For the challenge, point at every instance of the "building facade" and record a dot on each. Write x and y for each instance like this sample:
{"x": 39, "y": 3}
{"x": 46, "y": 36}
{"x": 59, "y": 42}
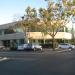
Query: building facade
{"x": 9, "y": 37}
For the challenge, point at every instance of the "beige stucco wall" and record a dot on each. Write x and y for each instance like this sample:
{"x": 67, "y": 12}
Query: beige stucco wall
{"x": 35, "y": 35}
{"x": 59, "y": 35}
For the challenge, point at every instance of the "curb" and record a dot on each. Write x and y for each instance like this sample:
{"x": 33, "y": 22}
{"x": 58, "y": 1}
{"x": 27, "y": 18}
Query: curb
{"x": 64, "y": 51}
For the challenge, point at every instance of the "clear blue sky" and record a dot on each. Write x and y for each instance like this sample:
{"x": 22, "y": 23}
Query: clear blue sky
{"x": 13, "y": 8}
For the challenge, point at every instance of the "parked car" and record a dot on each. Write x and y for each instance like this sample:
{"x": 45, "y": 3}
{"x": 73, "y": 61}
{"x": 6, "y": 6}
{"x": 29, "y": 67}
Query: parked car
{"x": 36, "y": 47}
{"x": 2, "y": 47}
{"x": 66, "y": 46}
{"x": 21, "y": 47}
{"x": 29, "y": 47}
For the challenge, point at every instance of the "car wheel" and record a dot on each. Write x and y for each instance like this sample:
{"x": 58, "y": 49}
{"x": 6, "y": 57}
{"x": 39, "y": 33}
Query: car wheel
{"x": 41, "y": 49}
{"x": 70, "y": 48}
{"x": 34, "y": 49}
{"x": 59, "y": 47}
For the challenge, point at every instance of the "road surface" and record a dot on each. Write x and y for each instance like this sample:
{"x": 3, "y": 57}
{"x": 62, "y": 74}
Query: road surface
{"x": 30, "y": 63}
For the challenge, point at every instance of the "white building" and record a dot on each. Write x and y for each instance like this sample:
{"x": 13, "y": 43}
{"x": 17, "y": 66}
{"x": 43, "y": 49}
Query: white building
{"x": 8, "y": 36}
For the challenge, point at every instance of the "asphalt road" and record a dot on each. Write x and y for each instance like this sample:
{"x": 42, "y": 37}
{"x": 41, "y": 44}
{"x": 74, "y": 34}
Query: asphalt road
{"x": 30, "y": 63}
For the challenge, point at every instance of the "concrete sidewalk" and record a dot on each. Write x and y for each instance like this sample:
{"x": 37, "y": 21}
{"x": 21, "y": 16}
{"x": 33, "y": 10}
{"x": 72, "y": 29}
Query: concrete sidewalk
{"x": 44, "y": 51}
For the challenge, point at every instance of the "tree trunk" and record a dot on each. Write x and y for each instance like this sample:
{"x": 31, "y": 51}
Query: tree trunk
{"x": 44, "y": 40}
{"x": 26, "y": 38}
{"x": 53, "y": 43}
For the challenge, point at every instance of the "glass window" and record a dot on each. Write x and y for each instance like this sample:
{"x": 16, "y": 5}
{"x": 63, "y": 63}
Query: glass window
{"x": 0, "y": 32}
{"x": 8, "y": 31}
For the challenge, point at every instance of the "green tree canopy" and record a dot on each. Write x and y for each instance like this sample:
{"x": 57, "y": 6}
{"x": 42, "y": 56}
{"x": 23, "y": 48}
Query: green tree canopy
{"x": 49, "y": 20}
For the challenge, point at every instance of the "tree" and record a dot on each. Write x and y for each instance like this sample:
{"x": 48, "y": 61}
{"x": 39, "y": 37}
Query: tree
{"x": 53, "y": 19}
{"x": 56, "y": 16}
{"x": 28, "y": 21}
{"x": 70, "y": 10}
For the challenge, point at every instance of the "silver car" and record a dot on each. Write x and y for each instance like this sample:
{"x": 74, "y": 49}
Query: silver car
{"x": 22, "y": 47}
{"x": 29, "y": 47}
{"x": 36, "y": 47}
{"x": 66, "y": 46}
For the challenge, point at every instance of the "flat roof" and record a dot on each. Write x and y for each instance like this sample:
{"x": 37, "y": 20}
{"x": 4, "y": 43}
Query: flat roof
{"x": 6, "y": 26}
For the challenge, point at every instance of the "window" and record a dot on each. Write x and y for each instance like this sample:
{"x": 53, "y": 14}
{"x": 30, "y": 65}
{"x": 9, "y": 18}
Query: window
{"x": 0, "y": 32}
{"x": 8, "y": 31}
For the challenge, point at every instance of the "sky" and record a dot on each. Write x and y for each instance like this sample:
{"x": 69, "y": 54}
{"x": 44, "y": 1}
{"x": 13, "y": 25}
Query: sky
{"x": 11, "y": 9}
